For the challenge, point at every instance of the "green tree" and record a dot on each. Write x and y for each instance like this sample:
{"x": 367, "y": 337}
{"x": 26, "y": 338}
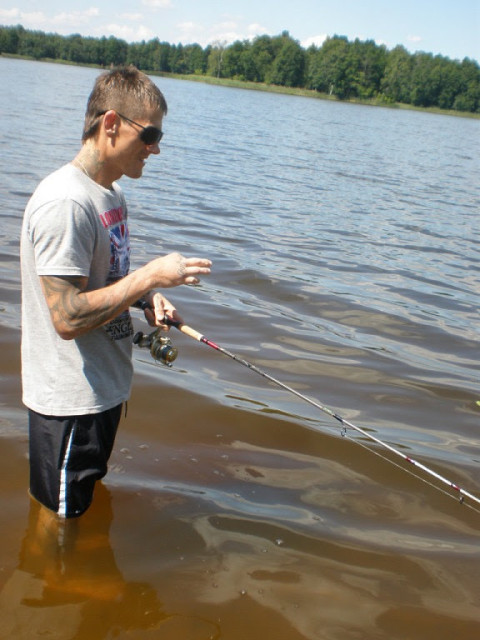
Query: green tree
{"x": 115, "y": 51}
{"x": 426, "y": 81}
{"x": 32, "y": 44}
{"x": 136, "y": 55}
{"x": 215, "y": 59}
{"x": 10, "y": 39}
{"x": 234, "y": 60}
{"x": 449, "y": 80}
{"x": 396, "y": 81}
{"x": 367, "y": 61}
{"x": 195, "y": 59}
{"x": 468, "y": 97}
{"x": 339, "y": 67}
{"x": 176, "y": 59}
{"x": 74, "y": 48}
{"x": 92, "y": 50}
{"x": 330, "y": 70}
{"x": 262, "y": 54}
{"x": 288, "y": 67}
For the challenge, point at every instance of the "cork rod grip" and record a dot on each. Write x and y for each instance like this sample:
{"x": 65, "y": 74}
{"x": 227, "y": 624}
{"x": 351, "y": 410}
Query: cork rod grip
{"x": 184, "y": 328}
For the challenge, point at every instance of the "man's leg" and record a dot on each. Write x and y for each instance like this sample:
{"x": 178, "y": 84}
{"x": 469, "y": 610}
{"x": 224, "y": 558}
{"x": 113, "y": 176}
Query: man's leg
{"x": 67, "y": 456}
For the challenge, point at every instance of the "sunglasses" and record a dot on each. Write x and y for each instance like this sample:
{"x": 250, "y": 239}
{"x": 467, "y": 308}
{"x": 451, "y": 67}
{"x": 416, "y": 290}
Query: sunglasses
{"x": 149, "y": 135}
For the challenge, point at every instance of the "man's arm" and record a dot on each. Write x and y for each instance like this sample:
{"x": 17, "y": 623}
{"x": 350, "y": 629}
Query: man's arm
{"x": 75, "y": 311}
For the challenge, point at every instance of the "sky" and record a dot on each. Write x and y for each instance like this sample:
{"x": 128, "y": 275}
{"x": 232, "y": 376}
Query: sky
{"x": 447, "y": 27}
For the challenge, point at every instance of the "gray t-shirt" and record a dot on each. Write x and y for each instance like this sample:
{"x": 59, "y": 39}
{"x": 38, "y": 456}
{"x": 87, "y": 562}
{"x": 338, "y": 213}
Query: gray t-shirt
{"x": 74, "y": 227}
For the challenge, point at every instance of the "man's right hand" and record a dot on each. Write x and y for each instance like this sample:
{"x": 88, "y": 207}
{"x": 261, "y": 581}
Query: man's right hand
{"x": 174, "y": 269}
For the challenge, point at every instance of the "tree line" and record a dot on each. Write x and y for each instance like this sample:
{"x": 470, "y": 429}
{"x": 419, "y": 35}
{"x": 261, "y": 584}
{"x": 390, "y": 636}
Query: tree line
{"x": 341, "y": 68}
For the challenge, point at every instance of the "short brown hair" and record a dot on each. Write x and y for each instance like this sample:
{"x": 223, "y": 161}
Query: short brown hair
{"x": 126, "y": 90}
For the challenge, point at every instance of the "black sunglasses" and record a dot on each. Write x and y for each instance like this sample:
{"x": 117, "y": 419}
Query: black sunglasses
{"x": 149, "y": 135}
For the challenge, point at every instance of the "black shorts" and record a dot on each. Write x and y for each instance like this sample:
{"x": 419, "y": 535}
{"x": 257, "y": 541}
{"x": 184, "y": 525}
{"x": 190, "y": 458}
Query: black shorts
{"x": 68, "y": 454}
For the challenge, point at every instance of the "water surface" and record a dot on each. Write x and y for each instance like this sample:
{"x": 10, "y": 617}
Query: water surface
{"x": 346, "y": 264}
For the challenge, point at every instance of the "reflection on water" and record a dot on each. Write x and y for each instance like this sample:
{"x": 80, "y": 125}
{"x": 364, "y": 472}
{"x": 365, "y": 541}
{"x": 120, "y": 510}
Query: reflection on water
{"x": 67, "y": 582}
{"x": 346, "y": 265}
{"x": 67, "y": 585}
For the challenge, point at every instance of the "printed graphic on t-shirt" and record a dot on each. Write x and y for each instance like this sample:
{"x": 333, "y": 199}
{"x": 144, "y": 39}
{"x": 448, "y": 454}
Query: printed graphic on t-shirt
{"x": 120, "y": 327}
{"x": 116, "y": 224}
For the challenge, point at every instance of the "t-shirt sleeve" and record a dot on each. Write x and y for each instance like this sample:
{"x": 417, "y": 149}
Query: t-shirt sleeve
{"x": 63, "y": 238}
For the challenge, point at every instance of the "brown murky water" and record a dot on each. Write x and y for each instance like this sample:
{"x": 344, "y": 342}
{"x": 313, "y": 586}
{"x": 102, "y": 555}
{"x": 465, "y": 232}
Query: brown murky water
{"x": 232, "y": 509}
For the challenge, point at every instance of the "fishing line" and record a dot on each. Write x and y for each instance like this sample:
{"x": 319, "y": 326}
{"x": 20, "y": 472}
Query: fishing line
{"x": 414, "y": 475}
{"x": 192, "y": 333}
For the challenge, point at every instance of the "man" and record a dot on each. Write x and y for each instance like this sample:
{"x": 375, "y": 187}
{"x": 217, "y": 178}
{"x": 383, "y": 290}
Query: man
{"x": 77, "y": 290}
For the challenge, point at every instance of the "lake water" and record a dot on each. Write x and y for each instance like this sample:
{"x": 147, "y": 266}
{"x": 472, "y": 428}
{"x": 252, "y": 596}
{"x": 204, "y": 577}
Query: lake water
{"x": 346, "y": 265}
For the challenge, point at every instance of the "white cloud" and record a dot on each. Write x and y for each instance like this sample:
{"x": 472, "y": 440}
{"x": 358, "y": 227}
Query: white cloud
{"x": 157, "y": 4}
{"x": 225, "y": 32}
{"x": 314, "y": 40}
{"x": 134, "y": 17}
{"x": 225, "y": 26}
{"x": 34, "y": 19}
{"x": 225, "y": 37}
{"x": 9, "y": 14}
{"x": 190, "y": 29}
{"x": 126, "y": 32}
{"x": 39, "y": 20}
{"x": 231, "y": 31}
{"x": 191, "y": 32}
{"x": 256, "y": 29}
{"x": 74, "y": 18}
{"x": 414, "y": 39}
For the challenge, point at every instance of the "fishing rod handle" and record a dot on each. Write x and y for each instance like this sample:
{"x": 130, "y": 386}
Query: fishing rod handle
{"x": 143, "y": 304}
{"x": 184, "y": 328}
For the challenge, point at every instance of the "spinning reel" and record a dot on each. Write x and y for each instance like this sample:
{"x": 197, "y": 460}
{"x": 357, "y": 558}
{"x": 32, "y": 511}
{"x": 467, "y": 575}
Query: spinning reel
{"x": 161, "y": 347}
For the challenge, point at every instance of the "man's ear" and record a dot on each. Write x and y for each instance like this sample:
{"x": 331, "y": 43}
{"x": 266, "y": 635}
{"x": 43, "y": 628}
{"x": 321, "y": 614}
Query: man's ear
{"x": 110, "y": 122}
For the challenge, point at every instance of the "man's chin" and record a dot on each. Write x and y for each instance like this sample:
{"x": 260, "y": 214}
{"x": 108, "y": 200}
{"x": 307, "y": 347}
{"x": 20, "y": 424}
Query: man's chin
{"x": 134, "y": 175}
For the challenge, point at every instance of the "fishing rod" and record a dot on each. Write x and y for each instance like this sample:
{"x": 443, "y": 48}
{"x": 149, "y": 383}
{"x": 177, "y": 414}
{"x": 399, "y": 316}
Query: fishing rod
{"x": 166, "y": 353}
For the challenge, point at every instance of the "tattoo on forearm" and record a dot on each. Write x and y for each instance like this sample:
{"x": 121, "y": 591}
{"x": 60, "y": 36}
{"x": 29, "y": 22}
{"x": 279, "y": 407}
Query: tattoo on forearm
{"x": 69, "y": 305}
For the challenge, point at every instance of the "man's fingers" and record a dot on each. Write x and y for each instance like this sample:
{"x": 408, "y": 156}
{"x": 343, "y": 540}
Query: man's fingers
{"x": 193, "y": 267}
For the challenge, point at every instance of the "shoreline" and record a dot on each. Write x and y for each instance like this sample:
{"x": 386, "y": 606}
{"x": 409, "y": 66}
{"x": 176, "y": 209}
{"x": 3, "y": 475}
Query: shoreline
{"x": 269, "y": 88}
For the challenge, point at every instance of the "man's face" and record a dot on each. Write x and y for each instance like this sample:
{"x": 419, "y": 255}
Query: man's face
{"x": 131, "y": 151}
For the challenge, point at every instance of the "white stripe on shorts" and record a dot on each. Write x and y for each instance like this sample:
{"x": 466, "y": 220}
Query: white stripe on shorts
{"x": 62, "y": 495}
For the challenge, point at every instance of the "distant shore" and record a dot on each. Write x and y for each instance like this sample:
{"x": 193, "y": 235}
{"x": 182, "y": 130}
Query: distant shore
{"x": 271, "y": 88}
